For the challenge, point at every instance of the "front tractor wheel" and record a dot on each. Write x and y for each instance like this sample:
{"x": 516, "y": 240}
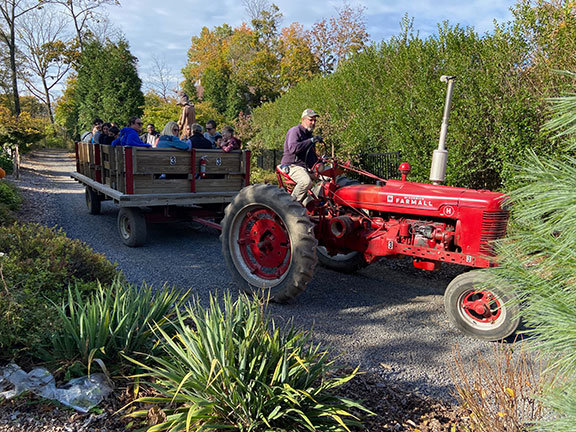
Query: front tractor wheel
{"x": 268, "y": 243}
{"x": 483, "y": 312}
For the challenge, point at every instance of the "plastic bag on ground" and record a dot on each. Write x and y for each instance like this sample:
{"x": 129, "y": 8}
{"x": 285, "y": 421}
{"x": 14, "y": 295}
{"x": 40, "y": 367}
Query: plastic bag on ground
{"x": 79, "y": 393}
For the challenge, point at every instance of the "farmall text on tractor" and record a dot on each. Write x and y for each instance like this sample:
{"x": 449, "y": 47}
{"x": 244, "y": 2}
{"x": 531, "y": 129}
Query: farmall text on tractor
{"x": 272, "y": 243}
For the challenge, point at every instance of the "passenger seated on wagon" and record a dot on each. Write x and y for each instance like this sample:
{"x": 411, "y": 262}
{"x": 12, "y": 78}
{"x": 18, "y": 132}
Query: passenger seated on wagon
{"x": 169, "y": 137}
{"x": 104, "y": 136}
{"x": 229, "y": 141}
{"x": 197, "y": 140}
{"x": 89, "y": 135}
{"x": 113, "y": 133}
{"x": 130, "y": 136}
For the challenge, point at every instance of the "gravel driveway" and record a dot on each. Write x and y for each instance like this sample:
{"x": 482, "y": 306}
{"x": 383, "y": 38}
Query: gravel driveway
{"x": 389, "y": 317}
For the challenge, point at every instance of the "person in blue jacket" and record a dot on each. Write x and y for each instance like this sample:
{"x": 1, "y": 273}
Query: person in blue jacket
{"x": 169, "y": 137}
{"x": 130, "y": 136}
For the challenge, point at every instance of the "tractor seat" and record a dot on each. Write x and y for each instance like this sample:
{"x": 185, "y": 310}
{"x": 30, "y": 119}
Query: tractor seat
{"x": 284, "y": 179}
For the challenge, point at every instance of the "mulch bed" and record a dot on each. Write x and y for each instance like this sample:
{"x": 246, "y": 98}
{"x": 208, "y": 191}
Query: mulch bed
{"x": 395, "y": 409}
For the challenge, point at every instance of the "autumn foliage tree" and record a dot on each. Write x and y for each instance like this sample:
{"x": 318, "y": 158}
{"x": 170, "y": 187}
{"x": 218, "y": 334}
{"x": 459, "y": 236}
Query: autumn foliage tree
{"x": 238, "y": 69}
{"x": 337, "y": 39}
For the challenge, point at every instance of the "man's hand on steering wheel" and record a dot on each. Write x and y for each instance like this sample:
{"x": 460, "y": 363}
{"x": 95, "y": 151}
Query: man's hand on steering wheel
{"x": 321, "y": 153}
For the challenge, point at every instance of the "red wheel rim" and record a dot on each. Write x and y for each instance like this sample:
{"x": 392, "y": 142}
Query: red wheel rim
{"x": 264, "y": 244}
{"x": 482, "y": 306}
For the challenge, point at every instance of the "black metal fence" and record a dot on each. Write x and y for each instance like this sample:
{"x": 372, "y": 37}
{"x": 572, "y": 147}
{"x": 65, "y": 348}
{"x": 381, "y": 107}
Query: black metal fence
{"x": 384, "y": 165}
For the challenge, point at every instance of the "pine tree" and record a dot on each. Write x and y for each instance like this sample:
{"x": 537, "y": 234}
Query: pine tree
{"x": 539, "y": 260}
{"x": 108, "y": 85}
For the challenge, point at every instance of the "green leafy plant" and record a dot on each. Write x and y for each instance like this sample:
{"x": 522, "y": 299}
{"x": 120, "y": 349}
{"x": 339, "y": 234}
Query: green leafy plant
{"x": 259, "y": 175}
{"x": 111, "y": 322}
{"x": 6, "y": 161}
{"x": 230, "y": 367}
{"x": 37, "y": 265}
{"x": 10, "y": 201}
{"x": 9, "y": 196}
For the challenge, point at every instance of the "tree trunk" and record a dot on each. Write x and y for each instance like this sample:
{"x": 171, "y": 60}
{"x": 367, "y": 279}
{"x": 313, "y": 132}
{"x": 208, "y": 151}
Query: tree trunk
{"x": 48, "y": 100}
{"x": 12, "y": 48}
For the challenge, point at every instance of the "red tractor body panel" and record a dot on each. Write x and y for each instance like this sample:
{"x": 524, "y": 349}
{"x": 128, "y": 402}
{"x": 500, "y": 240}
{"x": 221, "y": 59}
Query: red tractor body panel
{"x": 432, "y": 223}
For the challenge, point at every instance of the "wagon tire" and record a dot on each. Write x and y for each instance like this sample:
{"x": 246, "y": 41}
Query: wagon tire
{"x": 93, "y": 201}
{"x": 132, "y": 226}
{"x": 484, "y": 312}
{"x": 268, "y": 243}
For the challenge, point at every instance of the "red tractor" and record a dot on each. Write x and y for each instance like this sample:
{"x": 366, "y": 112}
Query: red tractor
{"x": 272, "y": 243}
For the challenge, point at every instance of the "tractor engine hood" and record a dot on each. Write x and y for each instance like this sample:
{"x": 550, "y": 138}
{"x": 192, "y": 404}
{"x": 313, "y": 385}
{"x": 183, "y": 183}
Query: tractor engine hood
{"x": 434, "y": 200}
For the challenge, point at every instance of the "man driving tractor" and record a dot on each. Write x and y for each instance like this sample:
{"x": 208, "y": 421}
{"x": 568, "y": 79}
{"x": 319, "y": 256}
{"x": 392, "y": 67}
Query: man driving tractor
{"x": 300, "y": 153}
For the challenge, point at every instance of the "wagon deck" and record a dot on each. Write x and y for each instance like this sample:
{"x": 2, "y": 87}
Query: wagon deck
{"x": 159, "y": 184}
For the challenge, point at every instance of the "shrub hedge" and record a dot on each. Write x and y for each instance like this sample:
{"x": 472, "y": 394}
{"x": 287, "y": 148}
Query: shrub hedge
{"x": 390, "y": 98}
{"x": 37, "y": 265}
{"x": 10, "y": 201}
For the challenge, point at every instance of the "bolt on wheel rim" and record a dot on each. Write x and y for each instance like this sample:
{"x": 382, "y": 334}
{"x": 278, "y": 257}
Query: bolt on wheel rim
{"x": 481, "y": 308}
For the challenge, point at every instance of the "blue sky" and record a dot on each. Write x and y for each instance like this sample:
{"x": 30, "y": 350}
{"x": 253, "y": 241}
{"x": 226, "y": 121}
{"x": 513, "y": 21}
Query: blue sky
{"x": 164, "y": 28}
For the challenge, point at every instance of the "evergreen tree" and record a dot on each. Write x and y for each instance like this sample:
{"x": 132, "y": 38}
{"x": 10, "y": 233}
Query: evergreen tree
{"x": 108, "y": 85}
{"x": 538, "y": 261}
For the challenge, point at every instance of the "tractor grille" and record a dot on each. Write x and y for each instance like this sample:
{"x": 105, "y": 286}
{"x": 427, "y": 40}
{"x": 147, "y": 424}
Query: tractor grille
{"x": 493, "y": 228}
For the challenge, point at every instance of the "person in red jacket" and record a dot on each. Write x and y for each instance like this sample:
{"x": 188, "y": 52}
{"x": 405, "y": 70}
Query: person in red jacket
{"x": 229, "y": 141}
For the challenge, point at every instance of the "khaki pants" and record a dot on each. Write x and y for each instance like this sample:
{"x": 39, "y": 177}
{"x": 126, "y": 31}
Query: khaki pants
{"x": 303, "y": 179}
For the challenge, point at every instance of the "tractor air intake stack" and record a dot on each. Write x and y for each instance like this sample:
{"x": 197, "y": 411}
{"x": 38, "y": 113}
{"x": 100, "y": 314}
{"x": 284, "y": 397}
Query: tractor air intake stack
{"x": 440, "y": 157}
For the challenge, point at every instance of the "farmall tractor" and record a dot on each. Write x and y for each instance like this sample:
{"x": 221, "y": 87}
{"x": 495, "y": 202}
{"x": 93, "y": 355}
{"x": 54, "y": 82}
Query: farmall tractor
{"x": 271, "y": 243}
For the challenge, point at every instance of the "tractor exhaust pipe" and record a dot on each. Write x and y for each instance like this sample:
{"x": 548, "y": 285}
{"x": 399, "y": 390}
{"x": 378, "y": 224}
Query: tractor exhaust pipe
{"x": 440, "y": 157}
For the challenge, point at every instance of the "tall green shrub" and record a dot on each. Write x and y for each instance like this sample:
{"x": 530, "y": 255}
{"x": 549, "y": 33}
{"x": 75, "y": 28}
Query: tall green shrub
{"x": 538, "y": 261}
{"x": 390, "y": 98}
{"x": 37, "y": 264}
{"x": 107, "y": 85}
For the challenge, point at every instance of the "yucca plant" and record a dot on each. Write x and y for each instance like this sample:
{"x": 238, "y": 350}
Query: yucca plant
{"x": 234, "y": 369}
{"x": 114, "y": 320}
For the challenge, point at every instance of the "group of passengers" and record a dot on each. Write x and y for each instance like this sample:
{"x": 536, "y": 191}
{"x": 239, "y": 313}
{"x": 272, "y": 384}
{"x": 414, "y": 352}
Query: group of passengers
{"x": 101, "y": 132}
{"x": 193, "y": 137}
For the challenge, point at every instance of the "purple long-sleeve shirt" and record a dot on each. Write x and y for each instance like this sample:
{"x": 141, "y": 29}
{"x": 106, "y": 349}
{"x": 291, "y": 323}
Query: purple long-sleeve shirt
{"x": 298, "y": 142}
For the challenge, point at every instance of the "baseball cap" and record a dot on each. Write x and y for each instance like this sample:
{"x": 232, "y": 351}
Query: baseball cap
{"x": 309, "y": 113}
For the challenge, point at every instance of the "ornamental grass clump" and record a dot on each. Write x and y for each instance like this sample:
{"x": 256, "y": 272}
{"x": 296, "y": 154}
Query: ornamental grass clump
{"x": 113, "y": 321}
{"x": 230, "y": 367}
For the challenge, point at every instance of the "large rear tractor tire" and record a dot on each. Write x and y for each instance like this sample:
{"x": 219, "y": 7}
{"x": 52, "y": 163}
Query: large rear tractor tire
{"x": 268, "y": 243}
{"x": 93, "y": 201}
{"x": 485, "y": 313}
{"x": 132, "y": 226}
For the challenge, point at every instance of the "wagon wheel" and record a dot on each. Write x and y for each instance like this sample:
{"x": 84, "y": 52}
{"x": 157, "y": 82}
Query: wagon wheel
{"x": 485, "y": 313}
{"x": 132, "y": 226}
{"x": 93, "y": 201}
{"x": 268, "y": 242}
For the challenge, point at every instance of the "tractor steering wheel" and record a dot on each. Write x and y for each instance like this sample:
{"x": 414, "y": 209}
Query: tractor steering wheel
{"x": 321, "y": 152}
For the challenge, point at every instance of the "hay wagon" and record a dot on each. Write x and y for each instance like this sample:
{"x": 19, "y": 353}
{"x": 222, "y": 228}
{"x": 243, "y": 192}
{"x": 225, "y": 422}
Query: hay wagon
{"x": 160, "y": 185}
